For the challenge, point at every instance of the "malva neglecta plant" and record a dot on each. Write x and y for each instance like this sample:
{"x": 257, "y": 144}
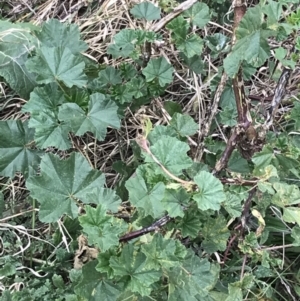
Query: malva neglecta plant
{"x": 208, "y": 209}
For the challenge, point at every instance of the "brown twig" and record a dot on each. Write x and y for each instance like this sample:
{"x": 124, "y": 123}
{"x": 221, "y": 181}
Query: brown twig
{"x": 244, "y": 117}
{"x": 154, "y": 227}
{"x": 169, "y": 17}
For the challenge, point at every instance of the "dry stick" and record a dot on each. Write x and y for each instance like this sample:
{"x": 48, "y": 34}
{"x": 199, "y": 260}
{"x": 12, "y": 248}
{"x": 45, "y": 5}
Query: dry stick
{"x": 244, "y": 118}
{"x": 176, "y": 11}
{"x": 154, "y": 227}
{"x": 210, "y": 117}
{"x": 278, "y": 96}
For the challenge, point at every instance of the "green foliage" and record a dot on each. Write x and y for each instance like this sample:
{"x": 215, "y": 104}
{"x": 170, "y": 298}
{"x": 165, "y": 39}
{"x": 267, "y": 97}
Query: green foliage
{"x": 146, "y": 10}
{"x": 204, "y": 213}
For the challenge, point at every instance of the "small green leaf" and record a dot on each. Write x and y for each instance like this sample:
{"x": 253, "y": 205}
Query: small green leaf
{"x": 175, "y": 201}
{"x": 49, "y": 131}
{"x": 131, "y": 266}
{"x": 273, "y": 10}
{"x": 172, "y": 154}
{"x": 210, "y": 194}
{"x": 15, "y": 47}
{"x": 237, "y": 163}
{"x": 8, "y": 269}
{"x": 190, "y": 225}
{"x": 162, "y": 253}
{"x": 233, "y": 205}
{"x": 191, "y": 46}
{"x": 57, "y": 34}
{"x": 228, "y": 116}
{"x": 216, "y": 234}
{"x": 286, "y": 194}
{"x": 263, "y": 158}
{"x": 160, "y": 70}
{"x": 296, "y": 236}
{"x": 102, "y": 230}
{"x": 16, "y": 150}
{"x": 110, "y": 76}
{"x": 102, "y": 113}
{"x": 43, "y": 98}
{"x": 252, "y": 45}
{"x": 198, "y": 14}
{"x": 95, "y": 286}
{"x": 160, "y": 131}
{"x": 184, "y": 124}
{"x": 196, "y": 277}
{"x": 172, "y": 107}
{"x": 57, "y": 64}
{"x": 61, "y": 183}
{"x": 195, "y": 63}
{"x": 148, "y": 200}
{"x": 146, "y": 10}
{"x": 179, "y": 27}
{"x": 105, "y": 197}
{"x": 295, "y": 115}
{"x": 124, "y": 42}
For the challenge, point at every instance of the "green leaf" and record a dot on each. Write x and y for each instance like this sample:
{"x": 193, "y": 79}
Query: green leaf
{"x": 210, "y": 194}
{"x": 263, "y": 158}
{"x": 172, "y": 107}
{"x": 131, "y": 266}
{"x": 16, "y": 150}
{"x": 175, "y": 201}
{"x": 273, "y": 10}
{"x": 291, "y": 215}
{"x": 124, "y": 42}
{"x": 43, "y": 98}
{"x": 57, "y": 34}
{"x": 15, "y": 46}
{"x": 146, "y": 10}
{"x": 102, "y": 230}
{"x": 160, "y": 131}
{"x": 172, "y": 154}
{"x": 228, "y": 116}
{"x": 252, "y": 45}
{"x": 95, "y": 286}
{"x": 49, "y": 131}
{"x": 233, "y": 205}
{"x": 162, "y": 253}
{"x": 216, "y": 234}
{"x": 137, "y": 87}
{"x": 196, "y": 277}
{"x": 184, "y": 124}
{"x": 191, "y": 46}
{"x": 190, "y": 225}
{"x": 143, "y": 198}
{"x": 295, "y": 233}
{"x": 194, "y": 63}
{"x": 198, "y": 14}
{"x": 8, "y": 269}
{"x": 237, "y": 163}
{"x": 102, "y": 113}
{"x": 105, "y": 197}
{"x": 109, "y": 76}
{"x": 295, "y": 115}
{"x": 61, "y": 183}
{"x": 179, "y": 27}
{"x": 286, "y": 194}
{"x": 160, "y": 70}
{"x": 57, "y": 64}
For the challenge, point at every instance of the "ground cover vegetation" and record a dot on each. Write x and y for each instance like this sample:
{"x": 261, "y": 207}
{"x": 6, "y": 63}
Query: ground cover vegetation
{"x": 149, "y": 150}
